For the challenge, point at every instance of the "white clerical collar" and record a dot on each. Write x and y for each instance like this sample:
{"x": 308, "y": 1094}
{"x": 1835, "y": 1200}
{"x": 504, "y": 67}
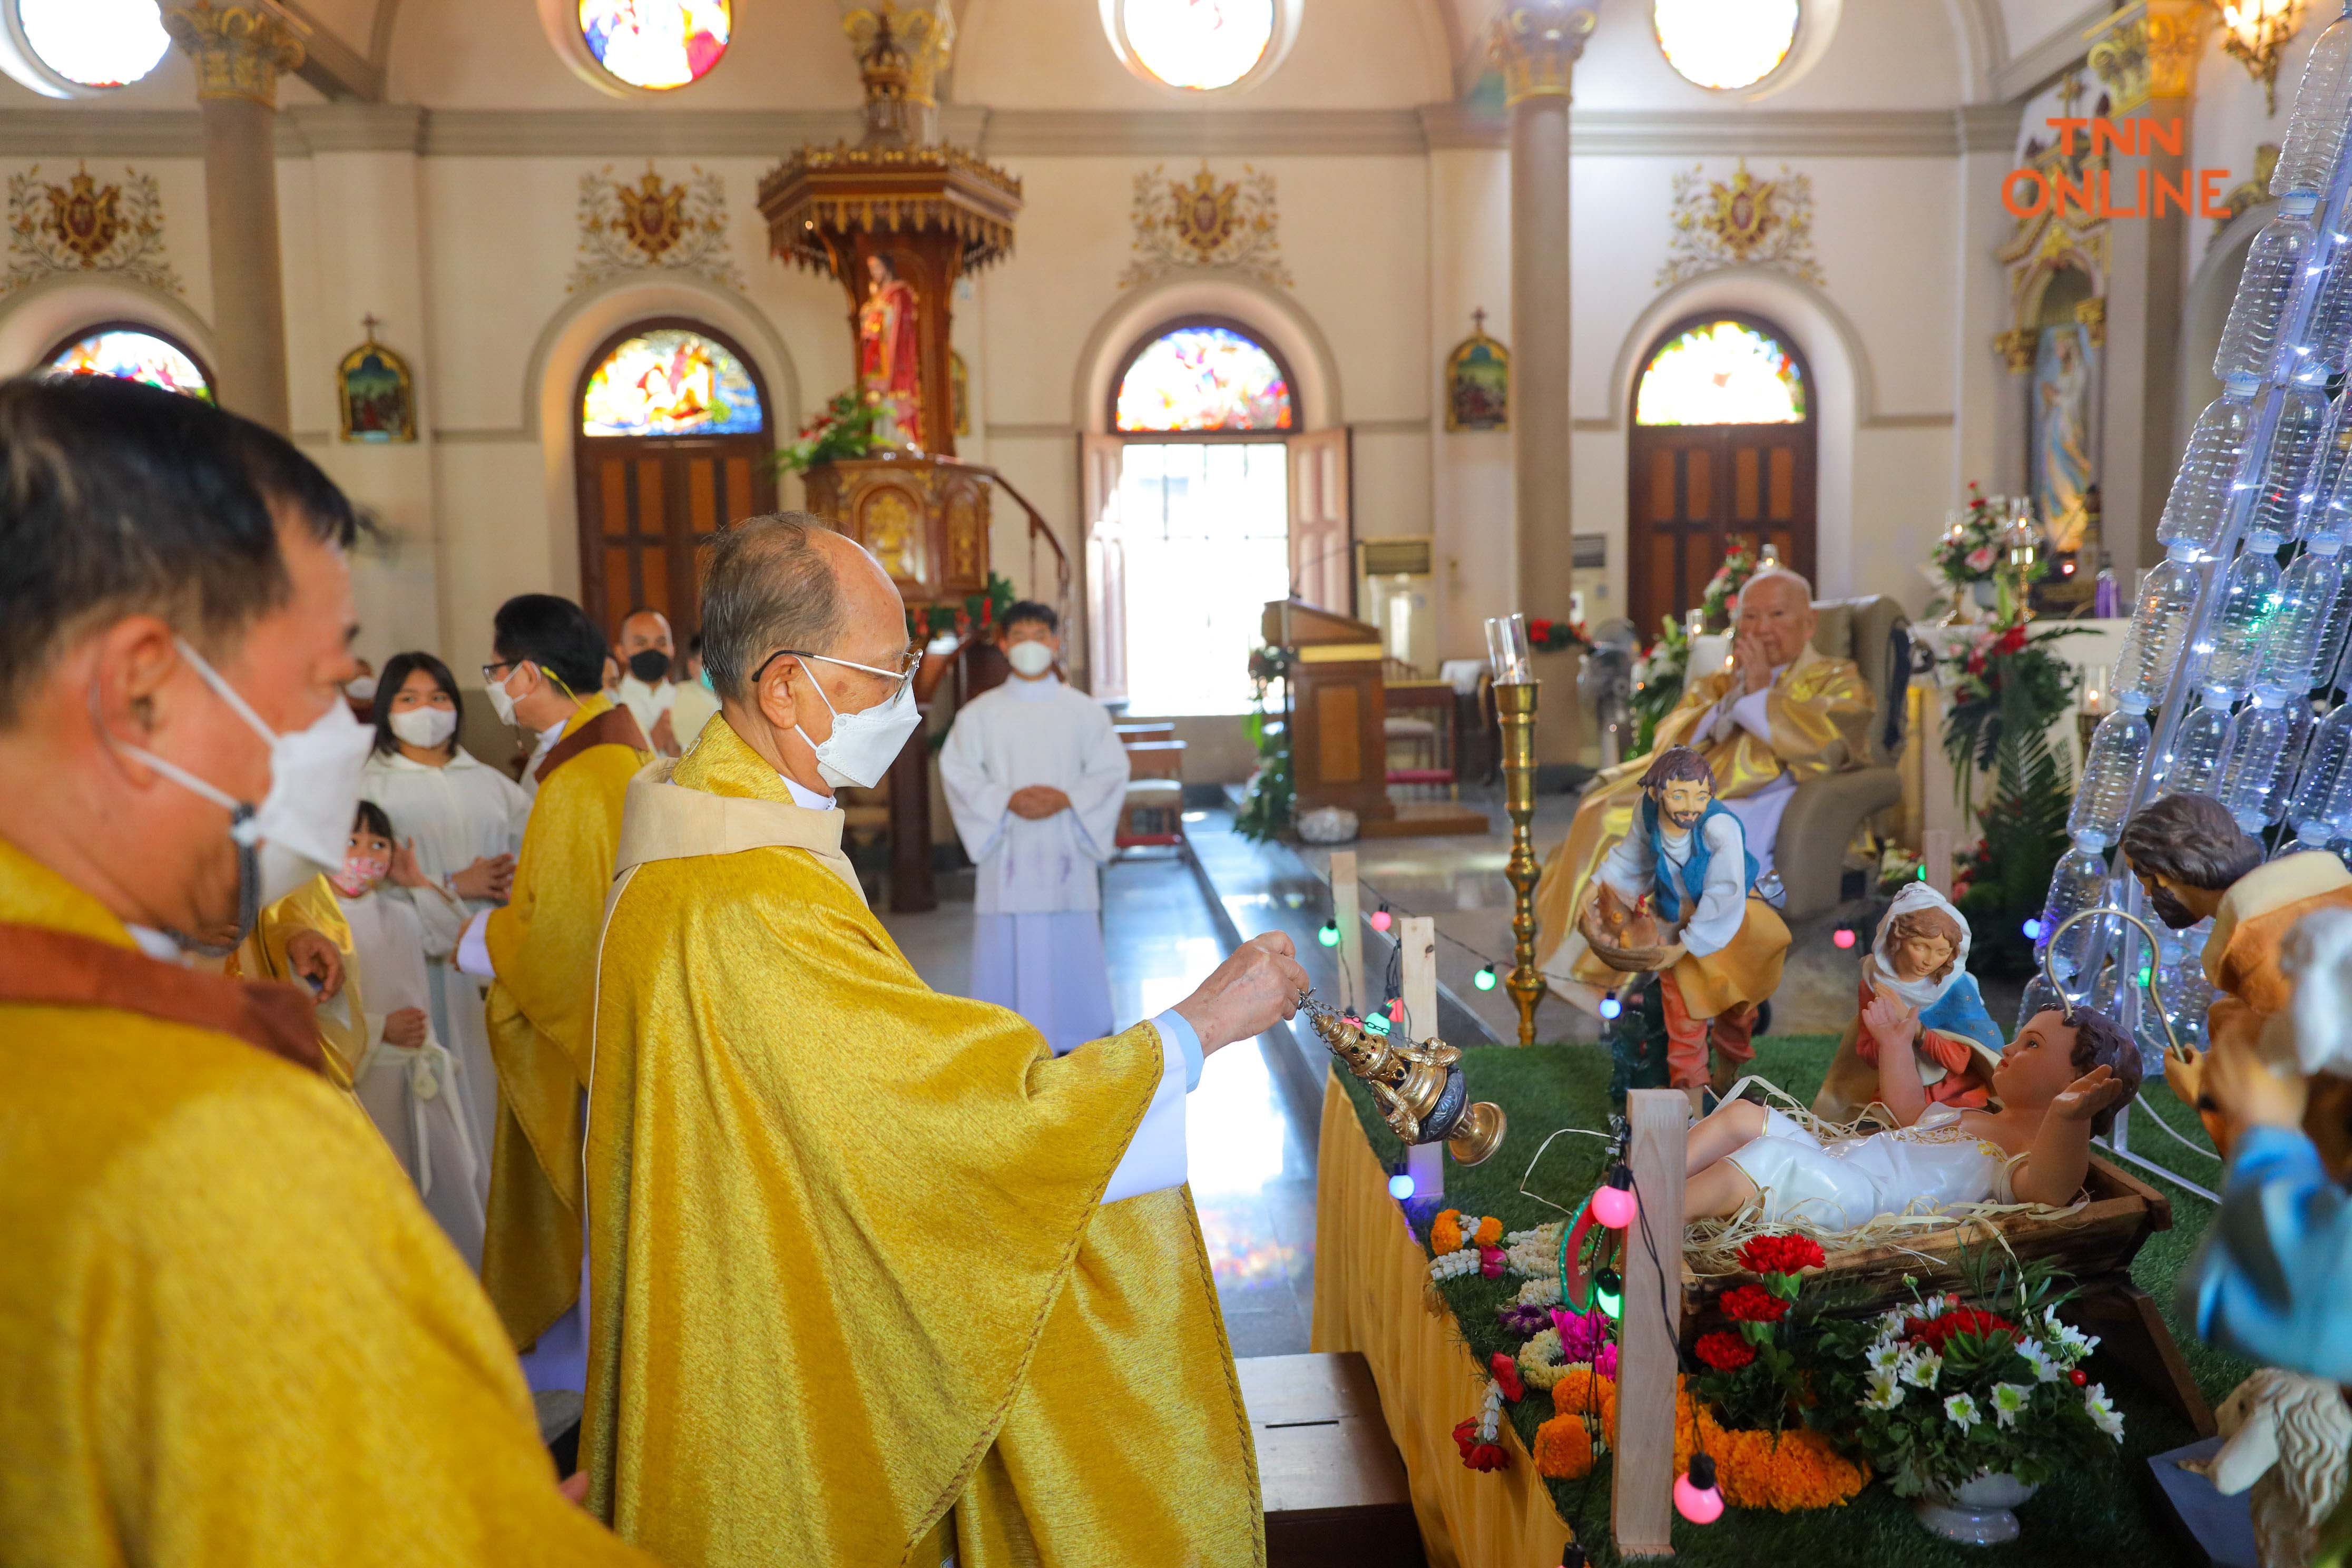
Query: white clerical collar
{"x": 808, "y": 797}
{"x": 1035, "y": 691}
{"x": 157, "y": 945}
{"x": 553, "y": 733}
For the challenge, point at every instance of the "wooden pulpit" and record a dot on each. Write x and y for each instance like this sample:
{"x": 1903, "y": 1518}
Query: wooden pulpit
{"x": 1338, "y": 712}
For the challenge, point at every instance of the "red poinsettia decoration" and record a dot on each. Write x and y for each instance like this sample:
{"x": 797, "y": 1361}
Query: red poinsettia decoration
{"x": 1781, "y": 1255}
{"x": 1752, "y": 1304}
{"x": 1480, "y": 1457}
{"x": 1936, "y": 1332}
{"x": 1724, "y": 1351}
{"x": 1507, "y": 1375}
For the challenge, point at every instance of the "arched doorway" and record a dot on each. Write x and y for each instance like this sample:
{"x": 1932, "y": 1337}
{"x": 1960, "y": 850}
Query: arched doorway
{"x": 133, "y": 351}
{"x": 673, "y": 444}
{"x": 1723, "y": 450}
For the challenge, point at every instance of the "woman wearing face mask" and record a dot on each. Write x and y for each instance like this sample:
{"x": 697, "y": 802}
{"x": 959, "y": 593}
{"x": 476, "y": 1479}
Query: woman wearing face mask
{"x": 464, "y": 821}
{"x": 407, "y": 1080}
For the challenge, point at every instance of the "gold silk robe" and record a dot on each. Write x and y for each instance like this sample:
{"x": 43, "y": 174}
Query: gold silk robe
{"x": 343, "y": 1023}
{"x": 849, "y": 1268}
{"x": 542, "y": 944}
{"x": 229, "y": 1332}
{"x": 1820, "y": 712}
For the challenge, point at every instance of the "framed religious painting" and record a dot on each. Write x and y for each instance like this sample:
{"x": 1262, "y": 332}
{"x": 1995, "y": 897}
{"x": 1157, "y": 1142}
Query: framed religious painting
{"x": 1478, "y": 382}
{"x": 377, "y": 394}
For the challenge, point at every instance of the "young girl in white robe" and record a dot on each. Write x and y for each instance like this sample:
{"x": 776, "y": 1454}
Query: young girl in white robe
{"x": 407, "y": 1081}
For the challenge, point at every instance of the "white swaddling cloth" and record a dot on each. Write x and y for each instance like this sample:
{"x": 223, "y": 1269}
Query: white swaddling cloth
{"x": 1843, "y": 1186}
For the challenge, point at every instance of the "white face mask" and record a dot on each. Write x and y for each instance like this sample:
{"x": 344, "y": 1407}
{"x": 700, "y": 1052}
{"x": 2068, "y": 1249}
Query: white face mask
{"x": 502, "y": 700}
{"x": 302, "y": 825}
{"x": 424, "y": 726}
{"x": 1030, "y": 660}
{"x": 361, "y": 689}
{"x": 863, "y": 744}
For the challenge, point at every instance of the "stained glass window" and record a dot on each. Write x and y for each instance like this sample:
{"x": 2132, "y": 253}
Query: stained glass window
{"x": 670, "y": 382}
{"x": 134, "y": 355}
{"x": 1204, "y": 378}
{"x": 95, "y": 43}
{"x": 657, "y": 43}
{"x": 1724, "y": 43}
{"x": 1721, "y": 374}
{"x": 1198, "y": 44}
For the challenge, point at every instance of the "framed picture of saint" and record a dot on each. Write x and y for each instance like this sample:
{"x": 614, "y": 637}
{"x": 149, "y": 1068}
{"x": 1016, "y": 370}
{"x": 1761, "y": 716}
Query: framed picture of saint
{"x": 1478, "y": 382}
{"x": 377, "y": 393}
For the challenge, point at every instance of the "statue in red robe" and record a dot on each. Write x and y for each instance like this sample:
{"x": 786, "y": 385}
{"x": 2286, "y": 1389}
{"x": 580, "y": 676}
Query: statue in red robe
{"x": 886, "y": 358}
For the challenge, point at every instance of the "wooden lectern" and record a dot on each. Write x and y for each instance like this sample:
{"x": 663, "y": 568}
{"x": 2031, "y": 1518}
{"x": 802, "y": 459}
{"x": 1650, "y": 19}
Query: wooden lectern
{"x": 1338, "y": 710}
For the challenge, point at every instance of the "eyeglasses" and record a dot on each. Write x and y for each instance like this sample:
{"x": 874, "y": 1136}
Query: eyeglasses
{"x": 909, "y": 663}
{"x": 495, "y": 671}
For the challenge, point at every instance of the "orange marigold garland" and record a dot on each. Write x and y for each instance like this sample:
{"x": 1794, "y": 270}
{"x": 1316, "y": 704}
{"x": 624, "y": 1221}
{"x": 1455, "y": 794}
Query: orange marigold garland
{"x": 1567, "y": 1444}
{"x": 1787, "y": 1471}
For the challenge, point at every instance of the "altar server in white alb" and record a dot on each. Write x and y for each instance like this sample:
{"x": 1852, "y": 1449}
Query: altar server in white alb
{"x": 1035, "y": 777}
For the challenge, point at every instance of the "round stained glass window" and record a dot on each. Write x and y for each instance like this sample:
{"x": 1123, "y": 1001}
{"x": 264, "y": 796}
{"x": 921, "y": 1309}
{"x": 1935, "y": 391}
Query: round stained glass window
{"x": 1204, "y": 378}
{"x": 1197, "y": 44}
{"x": 656, "y": 44}
{"x": 132, "y": 355}
{"x": 671, "y": 381}
{"x": 1721, "y": 372}
{"x": 1725, "y": 45}
{"x": 95, "y": 43}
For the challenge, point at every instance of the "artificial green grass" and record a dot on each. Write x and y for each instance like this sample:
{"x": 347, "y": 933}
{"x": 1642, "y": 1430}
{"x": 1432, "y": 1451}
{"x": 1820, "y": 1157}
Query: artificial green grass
{"x": 2099, "y": 1514}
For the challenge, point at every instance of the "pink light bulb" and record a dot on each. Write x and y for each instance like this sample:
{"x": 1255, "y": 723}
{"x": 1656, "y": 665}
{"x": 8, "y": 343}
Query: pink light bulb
{"x": 1700, "y": 1505}
{"x": 1613, "y": 1206}
{"x": 1381, "y": 919}
{"x": 1841, "y": 937}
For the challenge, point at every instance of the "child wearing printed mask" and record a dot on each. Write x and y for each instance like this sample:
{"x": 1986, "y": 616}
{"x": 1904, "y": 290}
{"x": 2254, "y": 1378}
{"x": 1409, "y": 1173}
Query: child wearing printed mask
{"x": 1916, "y": 989}
{"x": 407, "y": 1080}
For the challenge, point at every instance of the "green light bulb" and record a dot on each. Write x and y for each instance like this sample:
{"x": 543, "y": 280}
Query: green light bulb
{"x": 1376, "y": 1025}
{"x": 1328, "y": 935}
{"x": 1609, "y": 1293}
{"x": 1485, "y": 979}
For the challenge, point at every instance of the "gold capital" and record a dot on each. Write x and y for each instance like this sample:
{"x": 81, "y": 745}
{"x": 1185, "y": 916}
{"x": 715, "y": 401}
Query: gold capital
{"x": 2093, "y": 314}
{"x": 918, "y": 41}
{"x": 2017, "y": 348}
{"x": 2146, "y": 51}
{"x": 1536, "y": 45}
{"x": 240, "y": 50}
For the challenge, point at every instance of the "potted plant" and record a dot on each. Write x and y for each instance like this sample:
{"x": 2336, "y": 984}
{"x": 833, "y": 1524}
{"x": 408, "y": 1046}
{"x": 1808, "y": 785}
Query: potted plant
{"x": 845, "y": 428}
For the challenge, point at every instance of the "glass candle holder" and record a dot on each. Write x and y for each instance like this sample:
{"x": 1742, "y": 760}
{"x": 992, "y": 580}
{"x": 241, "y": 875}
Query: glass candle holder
{"x": 1508, "y": 655}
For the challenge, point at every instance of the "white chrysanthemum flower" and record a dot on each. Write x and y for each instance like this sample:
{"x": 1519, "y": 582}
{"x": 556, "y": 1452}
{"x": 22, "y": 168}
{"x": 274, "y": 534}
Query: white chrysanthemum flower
{"x": 2045, "y": 1367}
{"x": 1885, "y": 1358}
{"x": 1961, "y": 1408}
{"x": 1920, "y": 1367}
{"x": 1884, "y": 1394}
{"x": 2103, "y": 1413}
{"x": 2072, "y": 1341}
{"x": 2008, "y": 1402}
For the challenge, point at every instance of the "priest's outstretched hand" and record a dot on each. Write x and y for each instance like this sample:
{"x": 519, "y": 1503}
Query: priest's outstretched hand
{"x": 1256, "y": 986}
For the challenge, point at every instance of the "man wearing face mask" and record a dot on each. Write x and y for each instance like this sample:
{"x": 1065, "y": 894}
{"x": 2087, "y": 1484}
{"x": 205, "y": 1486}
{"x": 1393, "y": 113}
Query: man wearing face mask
{"x": 820, "y": 1191}
{"x": 1036, "y": 778}
{"x": 538, "y": 950}
{"x": 229, "y": 1332}
{"x": 646, "y": 651}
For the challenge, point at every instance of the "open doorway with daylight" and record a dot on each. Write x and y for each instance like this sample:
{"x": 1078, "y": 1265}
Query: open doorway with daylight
{"x": 1723, "y": 452}
{"x": 1204, "y": 502}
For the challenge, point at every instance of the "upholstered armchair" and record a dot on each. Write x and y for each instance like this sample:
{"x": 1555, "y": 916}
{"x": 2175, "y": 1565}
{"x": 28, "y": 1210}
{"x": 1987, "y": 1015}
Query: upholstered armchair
{"x": 1825, "y": 813}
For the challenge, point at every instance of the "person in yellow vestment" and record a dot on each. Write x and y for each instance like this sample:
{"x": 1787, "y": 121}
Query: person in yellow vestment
{"x": 230, "y": 1333}
{"x": 1782, "y": 712}
{"x": 538, "y": 952}
{"x": 877, "y": 1277}
{"x": 311, "y": 909}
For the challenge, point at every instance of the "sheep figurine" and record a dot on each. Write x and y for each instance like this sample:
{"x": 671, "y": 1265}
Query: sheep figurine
{"x": 2287, "y": 1437}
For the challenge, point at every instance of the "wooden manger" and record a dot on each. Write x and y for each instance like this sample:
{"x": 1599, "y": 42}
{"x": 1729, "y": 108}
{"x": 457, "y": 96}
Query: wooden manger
{"x": 2094, "y": 1243}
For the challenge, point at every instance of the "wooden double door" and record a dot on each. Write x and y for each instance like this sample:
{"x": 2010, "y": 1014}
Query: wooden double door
{"x": 647, "y": 505}
{"x": 1696, "y": 489}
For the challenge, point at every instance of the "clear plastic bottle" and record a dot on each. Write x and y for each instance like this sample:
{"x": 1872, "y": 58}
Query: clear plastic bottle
{"x": 2197, "y": 509}
{"x": 2251, "y": 341}
{"x": 2291, "y": 650}
{"x": 2231, "y": 648}
{"x": 2265, "y": 748}
{"x": 2118, "y": 747}
{"x": 2079, "y": 883}
{"x": 2327, "y": 343}
{"x": 2321, "y": 809}
{"x": 2199, "y": 746}
{"x": 2324, "y": 518}
{"x": 2315, "y": 128}
{"x": 2290, "y": 470}
{"x": 2159, "y": 625}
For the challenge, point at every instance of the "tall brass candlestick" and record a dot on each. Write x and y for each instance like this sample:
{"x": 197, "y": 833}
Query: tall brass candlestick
{"x": 1515, "y": 704}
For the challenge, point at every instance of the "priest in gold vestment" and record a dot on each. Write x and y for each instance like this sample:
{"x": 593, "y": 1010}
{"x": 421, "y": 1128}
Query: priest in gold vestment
{"x": 876, "y": 1277}
{"x": 538, "y": 952}
{"x": 1780, "y": 713}
{"x": 229, "y": 1332}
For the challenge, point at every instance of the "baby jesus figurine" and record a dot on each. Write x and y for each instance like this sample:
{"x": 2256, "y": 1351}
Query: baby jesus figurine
{"x": 1919, "y": 966}
{"x": 2058, "y": 1084}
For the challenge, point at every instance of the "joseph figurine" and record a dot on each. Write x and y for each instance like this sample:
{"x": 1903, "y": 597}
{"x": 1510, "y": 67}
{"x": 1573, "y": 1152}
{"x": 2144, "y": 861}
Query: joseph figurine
{"x": 1782, "y": 712}
{"x": 877, "y": 1278}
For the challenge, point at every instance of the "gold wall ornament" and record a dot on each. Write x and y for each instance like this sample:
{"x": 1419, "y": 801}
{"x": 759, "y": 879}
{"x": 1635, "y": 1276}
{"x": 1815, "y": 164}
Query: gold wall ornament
{"x": 239, "y": 51}
{"x": 1183, "y": 224}
{"x": 2254, "y": 32}
{"x": 1536, "y": 47}
{"x": 2018, "y": 346}
{"x": 2147, "y": 51}
{"x": 82, "y": 226}
{"x": 653, "y": 223}
{"x": 2093, "y": 314}
{"x": 376, "y": 391}
{"x": 1742, "y": 222}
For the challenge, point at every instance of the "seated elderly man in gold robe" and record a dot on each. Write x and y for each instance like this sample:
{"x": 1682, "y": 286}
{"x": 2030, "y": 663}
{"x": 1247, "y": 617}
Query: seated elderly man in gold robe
{"x": 1780, "y": 714}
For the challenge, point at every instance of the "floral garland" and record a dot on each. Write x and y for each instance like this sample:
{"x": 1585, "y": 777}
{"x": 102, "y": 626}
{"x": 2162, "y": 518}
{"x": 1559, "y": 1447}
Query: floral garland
{"x": 1480, "y": 1437}
{"x": 1460, "y": 1250}
{"x": 1566, "y": 1444}
{"x": 1789, "y": 1472}
{"x": 1547, "y": 636}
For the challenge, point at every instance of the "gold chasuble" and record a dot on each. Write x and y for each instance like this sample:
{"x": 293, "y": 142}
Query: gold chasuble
{"x": 341, "y": 1023}
{"x": 1820, "y": 712}
{"x": 542, "y": 944}
{"x": 853, "y": 1285}
{"x": 229, "y": 1332}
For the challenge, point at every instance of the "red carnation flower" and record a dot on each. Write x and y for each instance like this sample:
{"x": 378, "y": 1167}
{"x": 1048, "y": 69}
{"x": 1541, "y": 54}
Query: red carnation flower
{"x": 1937, "y": 1333}
{"x": 1781, "y": 1255}
{"x": 1507, "y": 1375}
{"x": 1752, "y": 1304}
{"x": 1539, "y": 630}
{"x": 1484, "y": 1456}
{"x": 1724, "y": 1351}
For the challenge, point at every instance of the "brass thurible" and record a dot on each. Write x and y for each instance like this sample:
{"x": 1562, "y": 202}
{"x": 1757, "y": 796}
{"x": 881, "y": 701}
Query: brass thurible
{"x": 1515, "y": 705}
{"x": 1417, "y": 1086}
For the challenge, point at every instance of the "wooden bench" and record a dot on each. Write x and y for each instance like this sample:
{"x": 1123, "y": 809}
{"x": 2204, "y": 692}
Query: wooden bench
{"x": 1157, "y": 729}
{"x": 1336, "y": 1495}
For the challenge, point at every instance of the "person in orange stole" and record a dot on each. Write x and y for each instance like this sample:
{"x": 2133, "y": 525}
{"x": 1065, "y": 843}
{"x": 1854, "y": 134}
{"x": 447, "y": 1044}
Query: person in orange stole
{"x": 888, "y": 366}
{"x": 229, "y": 1332}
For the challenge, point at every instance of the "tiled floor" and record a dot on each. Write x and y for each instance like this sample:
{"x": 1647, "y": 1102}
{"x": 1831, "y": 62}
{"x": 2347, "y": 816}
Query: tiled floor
{"x": 1251, "y": 1138}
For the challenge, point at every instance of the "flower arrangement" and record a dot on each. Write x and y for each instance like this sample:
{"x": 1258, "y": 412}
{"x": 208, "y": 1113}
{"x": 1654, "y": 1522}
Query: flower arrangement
{"x": 1940, "y": 1392}
{"x": 843, "y": 428}
{"x": 1718, "y": 603}
{"x": 1479, "y": 1439}
{"x": 1786, "y": 1470}
{"x": 1658, "y": 678}
{"x": 1547, "y": 636}
{"x": 1752, "y": 1377}
{"x": 1566, "y": 1444}
{"x": 1573, "y": 1341}
{"x": 978, "y": 610}
{"x": 1969, "y": 549}
{"x": 1459, "y": 1247}
{"x": 1272, "y": 794}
